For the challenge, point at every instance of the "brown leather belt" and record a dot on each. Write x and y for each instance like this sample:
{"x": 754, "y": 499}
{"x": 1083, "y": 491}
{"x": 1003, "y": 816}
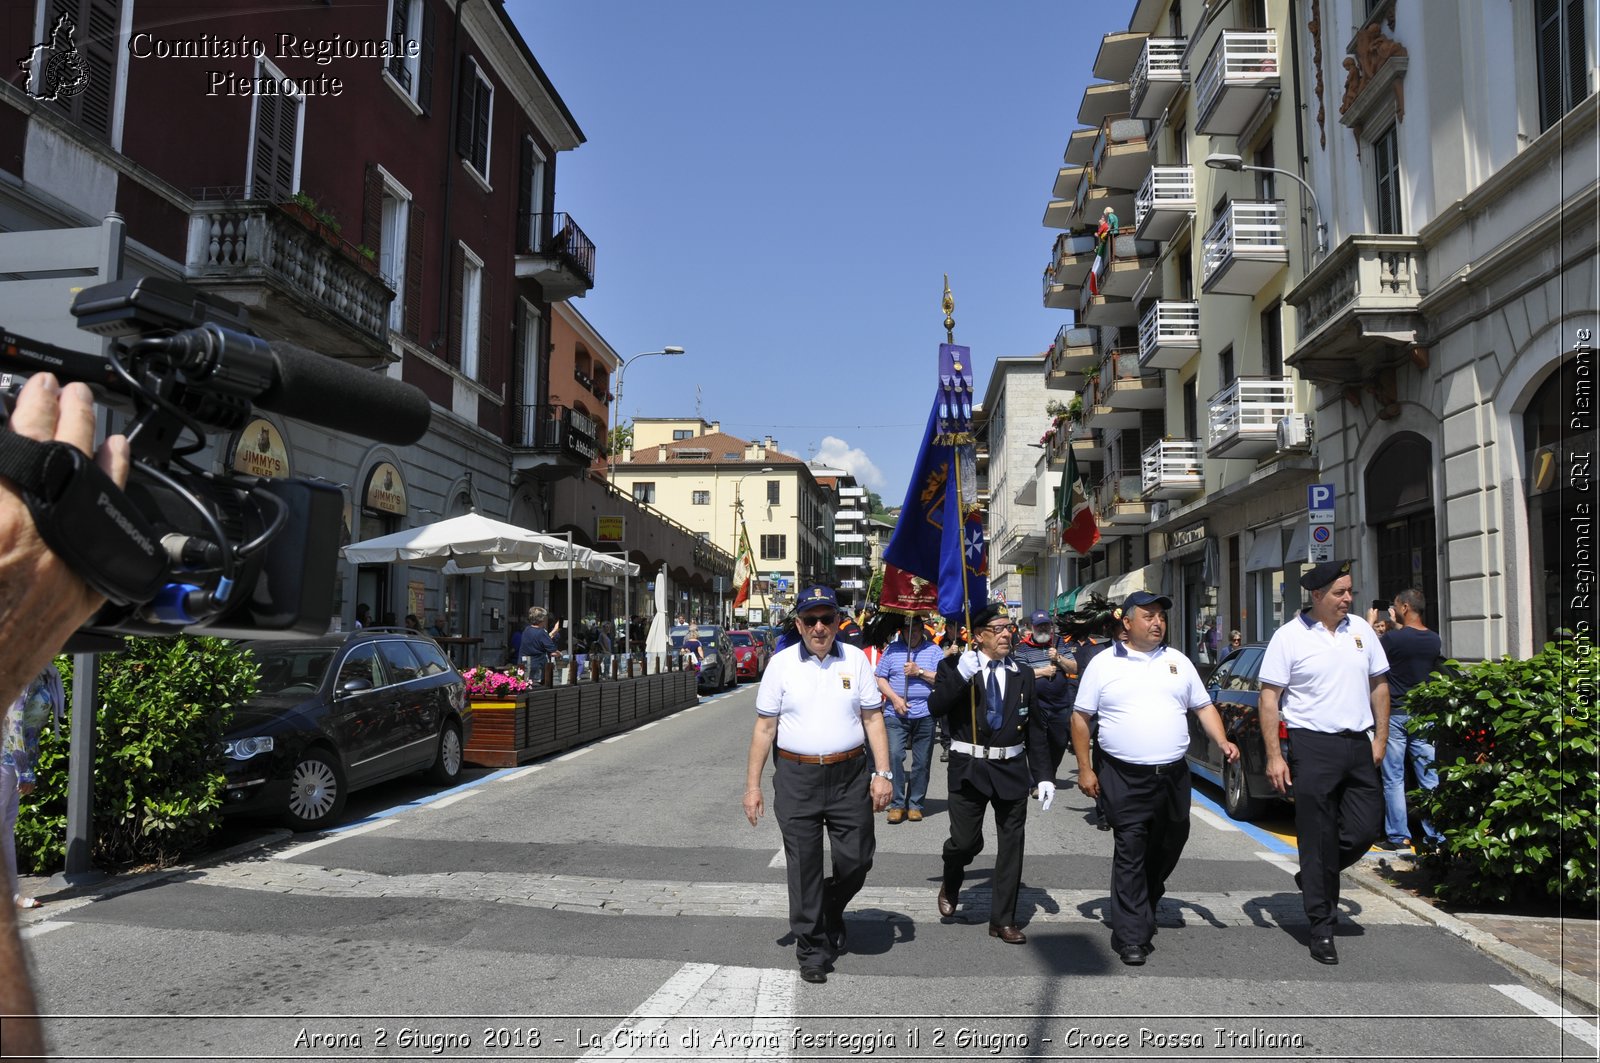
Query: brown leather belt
{"x": 822, "y": 758}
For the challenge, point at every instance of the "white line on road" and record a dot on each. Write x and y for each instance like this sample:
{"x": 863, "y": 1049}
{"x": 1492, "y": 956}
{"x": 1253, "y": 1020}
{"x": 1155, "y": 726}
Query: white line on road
{"x": 1279, "y": 860}
{"x": 524, "y": 772}
{"x": 647, "y": 726}
{"x": 366, "y": 828}
{"x": 642, "y": 1030}
{"x": 1573, "y": 1024}
{"x": 614, "y": 738}
{"x": 42, "y": 928}
{"x": 452, "y": 799}
{"x": 1210, "y": 818}
{"x": 575, "y": 754}
{"x": 779, "y": 860}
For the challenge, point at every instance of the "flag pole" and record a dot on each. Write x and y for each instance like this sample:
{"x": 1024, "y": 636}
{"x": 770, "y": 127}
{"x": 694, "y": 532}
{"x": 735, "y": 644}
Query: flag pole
{"x": 949, "y": 306}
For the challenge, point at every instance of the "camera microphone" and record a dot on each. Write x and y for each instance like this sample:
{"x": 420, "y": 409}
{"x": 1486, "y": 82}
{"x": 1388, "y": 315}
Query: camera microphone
{"x": 295, "y": 382}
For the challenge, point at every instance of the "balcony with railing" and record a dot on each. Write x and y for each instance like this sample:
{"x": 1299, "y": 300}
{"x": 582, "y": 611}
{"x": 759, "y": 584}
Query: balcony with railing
{"x": 301, "y": 282}
{"x": 1092, "y": 198}
{"x": 1058, "y": 442}
{"x": 1128, "y": 265}
{"x": 1245, "y": 415}
{"x": 1169, "y": 334}
{"x": 1244, "y": 248}
{"x": 1172, "y": 469}
{"x": 1072, "y": 352}
{"x": 1070, "y": 258}
{"x": 553, "y": 441}
{"x": 1099, "y": 414}
{"x": 1087, "y": 444}
{"x": 1122, "y": 154}
{"x": 555, "y": 253}
{"x": 1164, "y": 203}
{"x": 1127, "y": 385}
{"x": 1235, "y": 81}
{"x": 1360, "y": 309}
{"x": 1067, "y": 179}
{"x": 1120, "y": 501}
{"x": 1103, "y": 311}
{"x": 1157, "y": 76}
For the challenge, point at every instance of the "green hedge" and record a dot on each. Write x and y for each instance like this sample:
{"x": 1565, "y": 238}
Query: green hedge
{"x": 1517, "y": 793}
{"x": 163, "y": 707}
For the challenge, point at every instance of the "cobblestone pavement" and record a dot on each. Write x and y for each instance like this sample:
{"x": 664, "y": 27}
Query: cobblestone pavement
{"x": 608, "y": 896}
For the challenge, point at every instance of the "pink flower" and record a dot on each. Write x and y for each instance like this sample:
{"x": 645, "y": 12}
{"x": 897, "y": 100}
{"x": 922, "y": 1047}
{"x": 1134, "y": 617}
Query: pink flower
{"x": 486, "y": 682}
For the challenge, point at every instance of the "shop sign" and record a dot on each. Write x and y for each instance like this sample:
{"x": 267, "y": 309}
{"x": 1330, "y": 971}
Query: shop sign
{"x": 1194, "y": 533}
{"x": 260, "y": 451}
{"x": 386, "y": 489}
{"x": 610, "y": 529}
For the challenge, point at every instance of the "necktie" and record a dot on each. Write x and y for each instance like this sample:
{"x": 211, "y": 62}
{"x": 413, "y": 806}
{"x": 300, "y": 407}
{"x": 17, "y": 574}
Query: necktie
{"x": 993, "y": 715}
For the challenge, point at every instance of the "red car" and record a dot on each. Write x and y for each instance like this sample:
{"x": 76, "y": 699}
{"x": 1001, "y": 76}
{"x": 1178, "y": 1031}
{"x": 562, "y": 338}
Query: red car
{"x": 750, "y": 653}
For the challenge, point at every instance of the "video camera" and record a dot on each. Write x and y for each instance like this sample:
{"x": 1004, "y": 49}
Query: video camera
{"x": 181, "y": 548}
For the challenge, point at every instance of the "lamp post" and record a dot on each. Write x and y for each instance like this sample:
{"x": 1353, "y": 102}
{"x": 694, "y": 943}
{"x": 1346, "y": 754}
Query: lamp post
{"x": 616, "y": 402}
{"x": 1222, "y": 161}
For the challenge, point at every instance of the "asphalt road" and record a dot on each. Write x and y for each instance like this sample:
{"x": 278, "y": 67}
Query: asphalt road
{"x": 614, "y": 903}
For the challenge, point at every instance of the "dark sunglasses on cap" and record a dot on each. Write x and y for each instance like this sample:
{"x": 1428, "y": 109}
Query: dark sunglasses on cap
{"x": 817, "y": 618}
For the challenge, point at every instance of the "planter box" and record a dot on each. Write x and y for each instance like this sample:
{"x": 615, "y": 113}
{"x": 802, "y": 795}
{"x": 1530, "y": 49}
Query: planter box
{"x": 511, "y": 731}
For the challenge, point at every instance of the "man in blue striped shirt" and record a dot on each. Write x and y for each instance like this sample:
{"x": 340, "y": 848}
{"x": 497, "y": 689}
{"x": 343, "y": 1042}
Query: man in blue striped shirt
{"x": 905, "y": 675}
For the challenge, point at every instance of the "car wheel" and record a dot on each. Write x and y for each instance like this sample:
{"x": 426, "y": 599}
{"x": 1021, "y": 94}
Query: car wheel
{"x": 447, "y": 765}
{"x": 316, "y": 791}
{"x": 1236, "y": 793}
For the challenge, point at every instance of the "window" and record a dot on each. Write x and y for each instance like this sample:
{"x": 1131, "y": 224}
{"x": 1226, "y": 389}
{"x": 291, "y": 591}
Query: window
{"x": 1266, "y": 183}
{"x": 1225, "y": 360}
{"x": 692, "y": 453}
{"x": 774, "y": 547}
{"x": 275, "y": 147}
{"x": 471, "y": 315}
{"x": 1561, "y": 54}
{"x": 360, "y": 664}
{"x": 91, "y": 35}
{"x": 682, "y": 433}
{"x": 1191, "y": 408}
{"x": 392, "y": 250}
{"x": 704, "y": 537}
{"x": 411, "y": 68}
{"x": 1180, "y": 141}
{"x": 474, "y": 111}
{"x": 701, "y": 498}
{"x": 1272, "y": 341}
{"x": 1175, "y": 19}
{"x": 772, "y": 493}
{"x": 644, "y": 492}
{"x": 398, "y": 662}
{"x": 530, "y": 197}
{"x": 1386, "y": 164}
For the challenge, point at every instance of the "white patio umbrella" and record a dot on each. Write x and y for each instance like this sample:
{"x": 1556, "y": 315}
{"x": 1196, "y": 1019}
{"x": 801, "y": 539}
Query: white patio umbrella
{"x": 655, "y": 641}
{"x": 470, "y": 540}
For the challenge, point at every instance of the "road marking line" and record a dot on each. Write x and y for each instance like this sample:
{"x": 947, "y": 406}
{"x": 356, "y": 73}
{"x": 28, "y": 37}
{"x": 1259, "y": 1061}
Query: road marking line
{"x": 1212, "y": 819}
{"x": 574, "y": 755}
{"x": 1276, "y": 842}
{"x": 529, "y": 770}
{"x": 614, "y": 738}
{"x": 452, "y": 799}
{"x": 365, "y": 828}
{"x": 779, "y": 860}
{"x": 1573, "y": 1024}
{"x": 774, "y": 1005}
{"x": 42, "y": 928}
{"x": 647, "y": 726}
{"x": 1279, "y": 860}
{"x": 634, "y": 1034}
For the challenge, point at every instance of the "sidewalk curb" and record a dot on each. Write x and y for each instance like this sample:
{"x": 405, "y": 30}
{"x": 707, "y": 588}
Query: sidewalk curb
{"x": 76, "y": 896}
{"x": 1526, "y": 964}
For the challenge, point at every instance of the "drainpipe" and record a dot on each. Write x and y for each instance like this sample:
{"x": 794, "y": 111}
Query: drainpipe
{"x": 446, "y": 297}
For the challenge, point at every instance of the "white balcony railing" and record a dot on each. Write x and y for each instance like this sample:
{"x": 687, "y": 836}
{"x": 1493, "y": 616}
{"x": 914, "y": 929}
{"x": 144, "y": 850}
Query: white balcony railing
{"x": 1242, "y": 66}
{"x": 1245, "y": 415}
{"x": 1156, "y": 76}
{"x": 1167, "y": 191}
{"x": 1169, "y": 334}
{"x": 1248, "y": 234}
{"x": 1171, "y": 467}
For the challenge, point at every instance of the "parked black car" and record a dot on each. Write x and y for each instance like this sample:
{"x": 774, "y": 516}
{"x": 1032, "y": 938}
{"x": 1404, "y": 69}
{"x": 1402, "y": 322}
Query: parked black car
{"x": 1235, "y": 688}
{"x": 718, "y": 670}
{"x": 339, "y": 713}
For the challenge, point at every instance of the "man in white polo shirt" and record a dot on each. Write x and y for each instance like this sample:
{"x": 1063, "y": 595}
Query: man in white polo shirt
{"x": 1142, "y": 691}
{"x": 1324, "y": 672}
{"x": 817, "y": 713}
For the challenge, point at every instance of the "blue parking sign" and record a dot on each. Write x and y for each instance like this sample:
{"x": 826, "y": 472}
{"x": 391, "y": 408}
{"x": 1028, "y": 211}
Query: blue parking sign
{"x": 1319, "y": 496}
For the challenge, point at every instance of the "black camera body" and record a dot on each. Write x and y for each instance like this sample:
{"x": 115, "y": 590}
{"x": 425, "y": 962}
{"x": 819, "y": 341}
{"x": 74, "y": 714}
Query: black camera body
{"x": 181, "y": 548}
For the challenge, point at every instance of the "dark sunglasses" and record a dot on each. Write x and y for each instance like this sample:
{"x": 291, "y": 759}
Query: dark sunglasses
{"x": 816, "y": 619}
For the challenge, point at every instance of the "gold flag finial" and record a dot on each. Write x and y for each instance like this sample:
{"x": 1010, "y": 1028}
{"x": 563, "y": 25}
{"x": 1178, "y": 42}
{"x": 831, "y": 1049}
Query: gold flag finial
{"x": 949, "y": 305}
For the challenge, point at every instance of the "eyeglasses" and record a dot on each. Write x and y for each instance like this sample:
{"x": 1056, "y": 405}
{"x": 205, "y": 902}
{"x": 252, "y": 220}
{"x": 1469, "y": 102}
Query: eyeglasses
{"x": 997, "y": 628}
{"x": 817, "y": 619}
{"x": 1235, "y": 641}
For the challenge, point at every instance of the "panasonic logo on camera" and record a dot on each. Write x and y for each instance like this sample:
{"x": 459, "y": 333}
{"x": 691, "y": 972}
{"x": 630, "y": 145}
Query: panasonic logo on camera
{"x": 110, "y": 509}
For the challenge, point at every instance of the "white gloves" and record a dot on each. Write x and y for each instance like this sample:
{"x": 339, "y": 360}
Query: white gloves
{"x": 1047, "y": 794}
{"x": 968, "y": 664}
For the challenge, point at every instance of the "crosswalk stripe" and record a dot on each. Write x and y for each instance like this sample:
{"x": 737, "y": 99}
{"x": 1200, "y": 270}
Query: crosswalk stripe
{"x": 38, "y": 929}
{"x": 702, "y": 1011}
{"x": 365, "y": 828}
{"x": 1577, "y": 1026}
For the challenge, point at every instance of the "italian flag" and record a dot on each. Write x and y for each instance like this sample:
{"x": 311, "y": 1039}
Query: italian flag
{"x": 1075, "y": 515}
{"x": 743, "y": 570}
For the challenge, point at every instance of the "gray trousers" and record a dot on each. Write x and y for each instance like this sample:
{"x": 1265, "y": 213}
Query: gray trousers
{"x": 808, "y": 798}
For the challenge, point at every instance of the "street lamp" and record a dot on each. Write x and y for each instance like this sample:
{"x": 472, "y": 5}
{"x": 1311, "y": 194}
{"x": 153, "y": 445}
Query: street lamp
{"x": 616, "y": 402}
{"x": 1222, "y": 161}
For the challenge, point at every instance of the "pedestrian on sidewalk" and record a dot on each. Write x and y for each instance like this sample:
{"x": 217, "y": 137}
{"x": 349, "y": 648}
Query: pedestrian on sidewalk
{"x": 1323, "y": 672}
{"x": 905, "y": 675}
{"x": 999, "y": 748}
{"x": 1108, "y": 623}
{"x": 819, "y": 715}
{"x": 1142, "y": 692}
{"x": 1414, "y": 652}
{"x": 1055, "y": 673}
{"x": 40, "y": 704}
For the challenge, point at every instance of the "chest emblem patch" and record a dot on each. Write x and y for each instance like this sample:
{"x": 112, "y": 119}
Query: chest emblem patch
{"x": 845, "y": 680}
{"x": 1358, "y": 642}
{"x": 1172, "y": 668}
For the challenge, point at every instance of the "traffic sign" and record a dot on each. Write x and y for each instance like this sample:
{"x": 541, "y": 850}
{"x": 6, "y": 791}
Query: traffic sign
{"x": 1319, "y": 552}
{"x": 1319, "y": 496}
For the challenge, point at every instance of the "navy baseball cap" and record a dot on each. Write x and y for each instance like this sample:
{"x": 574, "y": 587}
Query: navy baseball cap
{"x": 1324, "y": 574}
{"x": 817, "y": 597}
{"x": 1138, "y": 598}
{"x": 1040, "y": 617}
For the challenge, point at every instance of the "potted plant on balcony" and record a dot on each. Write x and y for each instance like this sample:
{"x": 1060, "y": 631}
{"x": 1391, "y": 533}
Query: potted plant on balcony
{"x": 1075, "y": 409}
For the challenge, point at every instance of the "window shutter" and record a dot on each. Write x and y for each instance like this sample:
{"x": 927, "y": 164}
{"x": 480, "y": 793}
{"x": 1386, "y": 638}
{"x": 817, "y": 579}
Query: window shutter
{"x": 372, "y": 209}
{"x": 488, "y": 349}
{"x": 525, "y": 241}
{"x": 458, "y": 278}
{"x": 480, "y": 128}
{"x": 97, "y": 43}
{"x": 397, "y": 34}
{"x": 425, "y": 62}
{"x": 274, "y": 139}
{"x": 414, "y": 258}
{"x": 466, "y": 106}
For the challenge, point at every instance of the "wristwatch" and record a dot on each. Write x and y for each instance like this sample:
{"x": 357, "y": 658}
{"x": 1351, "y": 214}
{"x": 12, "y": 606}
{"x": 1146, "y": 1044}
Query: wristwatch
{"x": 885, "y": 775}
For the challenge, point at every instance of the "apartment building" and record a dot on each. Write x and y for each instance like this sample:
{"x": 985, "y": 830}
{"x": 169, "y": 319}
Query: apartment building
{"x": 848, "y": 537}
{"x": 1007, "y": 424}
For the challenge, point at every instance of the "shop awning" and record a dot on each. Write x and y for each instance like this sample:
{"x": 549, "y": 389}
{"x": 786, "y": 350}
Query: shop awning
{"x": 1147, "y": 578}
{"x": 1099, "y": 586}
{"x": 1067, "y": 601}
{"x": 1267, "y": 551}
{"x": 1299, "y": 545}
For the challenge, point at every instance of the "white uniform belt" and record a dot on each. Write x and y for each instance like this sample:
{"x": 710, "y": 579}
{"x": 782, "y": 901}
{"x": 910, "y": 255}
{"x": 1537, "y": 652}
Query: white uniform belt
{"x": 987, "y": 752}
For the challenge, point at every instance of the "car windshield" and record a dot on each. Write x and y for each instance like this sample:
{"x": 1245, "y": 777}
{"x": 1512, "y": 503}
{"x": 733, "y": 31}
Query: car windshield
{"x": 291, "y": 669}
{"x": 706, "y": 634}
{"x": 741, "y": 638}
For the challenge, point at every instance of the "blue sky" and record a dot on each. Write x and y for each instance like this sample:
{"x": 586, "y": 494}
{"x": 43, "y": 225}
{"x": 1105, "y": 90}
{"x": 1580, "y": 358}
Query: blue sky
{"x": 780, "y": 189}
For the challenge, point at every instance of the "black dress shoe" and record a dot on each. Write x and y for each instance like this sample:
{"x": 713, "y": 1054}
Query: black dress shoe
{"x": 1132, "y": 955}
{"x": 1011, "y": 935}
{"x": 813, "y": 974}
{"x": 1297, "y": 883}
{"x": 1148, "y": 947}
{"x": 1101, "y": 823}
{"x": 1322, "y": 951}
{"x": 838, "y": 941}
{"x": 947, "y": 907}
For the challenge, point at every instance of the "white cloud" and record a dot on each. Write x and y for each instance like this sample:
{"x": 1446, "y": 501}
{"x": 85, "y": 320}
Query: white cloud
{"x": 836, "y": 452}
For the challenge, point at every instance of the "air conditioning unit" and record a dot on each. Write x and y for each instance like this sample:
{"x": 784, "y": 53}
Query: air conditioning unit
{"x": 1159, "y": 510}
{"x": 1294, "y": 431}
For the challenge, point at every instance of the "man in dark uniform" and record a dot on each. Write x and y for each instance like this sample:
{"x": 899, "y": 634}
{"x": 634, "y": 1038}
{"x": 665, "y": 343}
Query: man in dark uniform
{"x": 1324, "y": 673}
{"x": 999, "y": 748}
{"x": 1142, "y": 692}
{"x": 819, "y": 715}
{"x": 1054, "y": 676}
{"x": 1107, "y": 624}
